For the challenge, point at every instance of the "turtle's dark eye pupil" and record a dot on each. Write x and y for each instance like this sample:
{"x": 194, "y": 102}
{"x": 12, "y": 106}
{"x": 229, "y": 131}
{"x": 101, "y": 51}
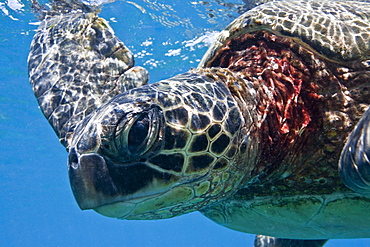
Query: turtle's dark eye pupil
{"x": 135, "y": 134}
{"x": 138, "y": 134}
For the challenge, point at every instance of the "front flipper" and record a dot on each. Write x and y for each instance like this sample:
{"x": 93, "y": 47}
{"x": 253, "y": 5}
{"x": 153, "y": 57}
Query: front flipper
{"x": 354, "y": 164}
{"x": 76, "y": 64}
{"x": 266, "y": 241}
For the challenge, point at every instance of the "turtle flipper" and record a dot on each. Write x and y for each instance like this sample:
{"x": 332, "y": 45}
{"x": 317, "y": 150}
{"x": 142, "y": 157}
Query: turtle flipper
{"x": 354, "y": 164}
{"x": 76, "y": 64}
{"x": 266, "y": 241}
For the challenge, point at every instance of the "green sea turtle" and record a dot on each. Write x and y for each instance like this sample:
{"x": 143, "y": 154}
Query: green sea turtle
{"x": 252, "y": 138}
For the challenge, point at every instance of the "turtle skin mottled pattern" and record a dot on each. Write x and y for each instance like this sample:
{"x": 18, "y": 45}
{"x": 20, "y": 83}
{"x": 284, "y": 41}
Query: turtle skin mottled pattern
{"x": 337, "y": 30}
{"x": 76, "y": 64}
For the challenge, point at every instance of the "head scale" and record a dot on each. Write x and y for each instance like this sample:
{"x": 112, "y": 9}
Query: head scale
{"x": 160, "y": 150}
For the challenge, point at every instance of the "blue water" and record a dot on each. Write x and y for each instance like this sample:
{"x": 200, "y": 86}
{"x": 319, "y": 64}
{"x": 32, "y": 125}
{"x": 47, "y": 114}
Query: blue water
{"x": 36, "y": 204}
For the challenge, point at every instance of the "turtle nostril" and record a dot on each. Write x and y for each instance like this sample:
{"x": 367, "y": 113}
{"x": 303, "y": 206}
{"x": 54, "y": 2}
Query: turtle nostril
{"x": 73, "y": 159}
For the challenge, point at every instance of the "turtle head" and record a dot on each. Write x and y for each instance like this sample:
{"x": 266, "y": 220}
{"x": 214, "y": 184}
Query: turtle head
{"x": 159, "y": 151}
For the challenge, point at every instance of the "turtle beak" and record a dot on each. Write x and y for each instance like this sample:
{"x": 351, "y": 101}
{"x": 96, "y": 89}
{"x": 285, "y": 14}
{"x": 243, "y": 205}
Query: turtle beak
{"x": 90, "y": 181}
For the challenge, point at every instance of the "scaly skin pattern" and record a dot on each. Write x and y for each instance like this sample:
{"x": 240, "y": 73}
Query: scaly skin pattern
{"x": 252, "y": 138}
{"x": 75, "y": 65}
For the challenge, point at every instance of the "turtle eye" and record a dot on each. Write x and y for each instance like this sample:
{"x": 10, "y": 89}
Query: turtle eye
{"x": 137, "y": 133}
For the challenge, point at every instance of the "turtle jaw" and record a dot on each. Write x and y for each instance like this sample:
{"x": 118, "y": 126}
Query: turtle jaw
{"x": 115, "y": 191}
{"x": 119, "y": 192}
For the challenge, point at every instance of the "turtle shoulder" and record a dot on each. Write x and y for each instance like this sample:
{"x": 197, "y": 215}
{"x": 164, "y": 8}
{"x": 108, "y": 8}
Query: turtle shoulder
{"x": 294, "y": 190}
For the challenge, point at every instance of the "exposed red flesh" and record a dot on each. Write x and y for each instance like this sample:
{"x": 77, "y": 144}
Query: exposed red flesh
{"x": 287, "y": 87}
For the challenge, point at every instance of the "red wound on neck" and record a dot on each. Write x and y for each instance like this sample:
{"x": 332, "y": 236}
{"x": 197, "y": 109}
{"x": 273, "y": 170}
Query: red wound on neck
{"x": 286, "y": 83}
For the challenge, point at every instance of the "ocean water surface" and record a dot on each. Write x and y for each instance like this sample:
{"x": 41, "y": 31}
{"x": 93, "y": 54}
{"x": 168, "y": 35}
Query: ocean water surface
{"x": 37, "y": 207}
